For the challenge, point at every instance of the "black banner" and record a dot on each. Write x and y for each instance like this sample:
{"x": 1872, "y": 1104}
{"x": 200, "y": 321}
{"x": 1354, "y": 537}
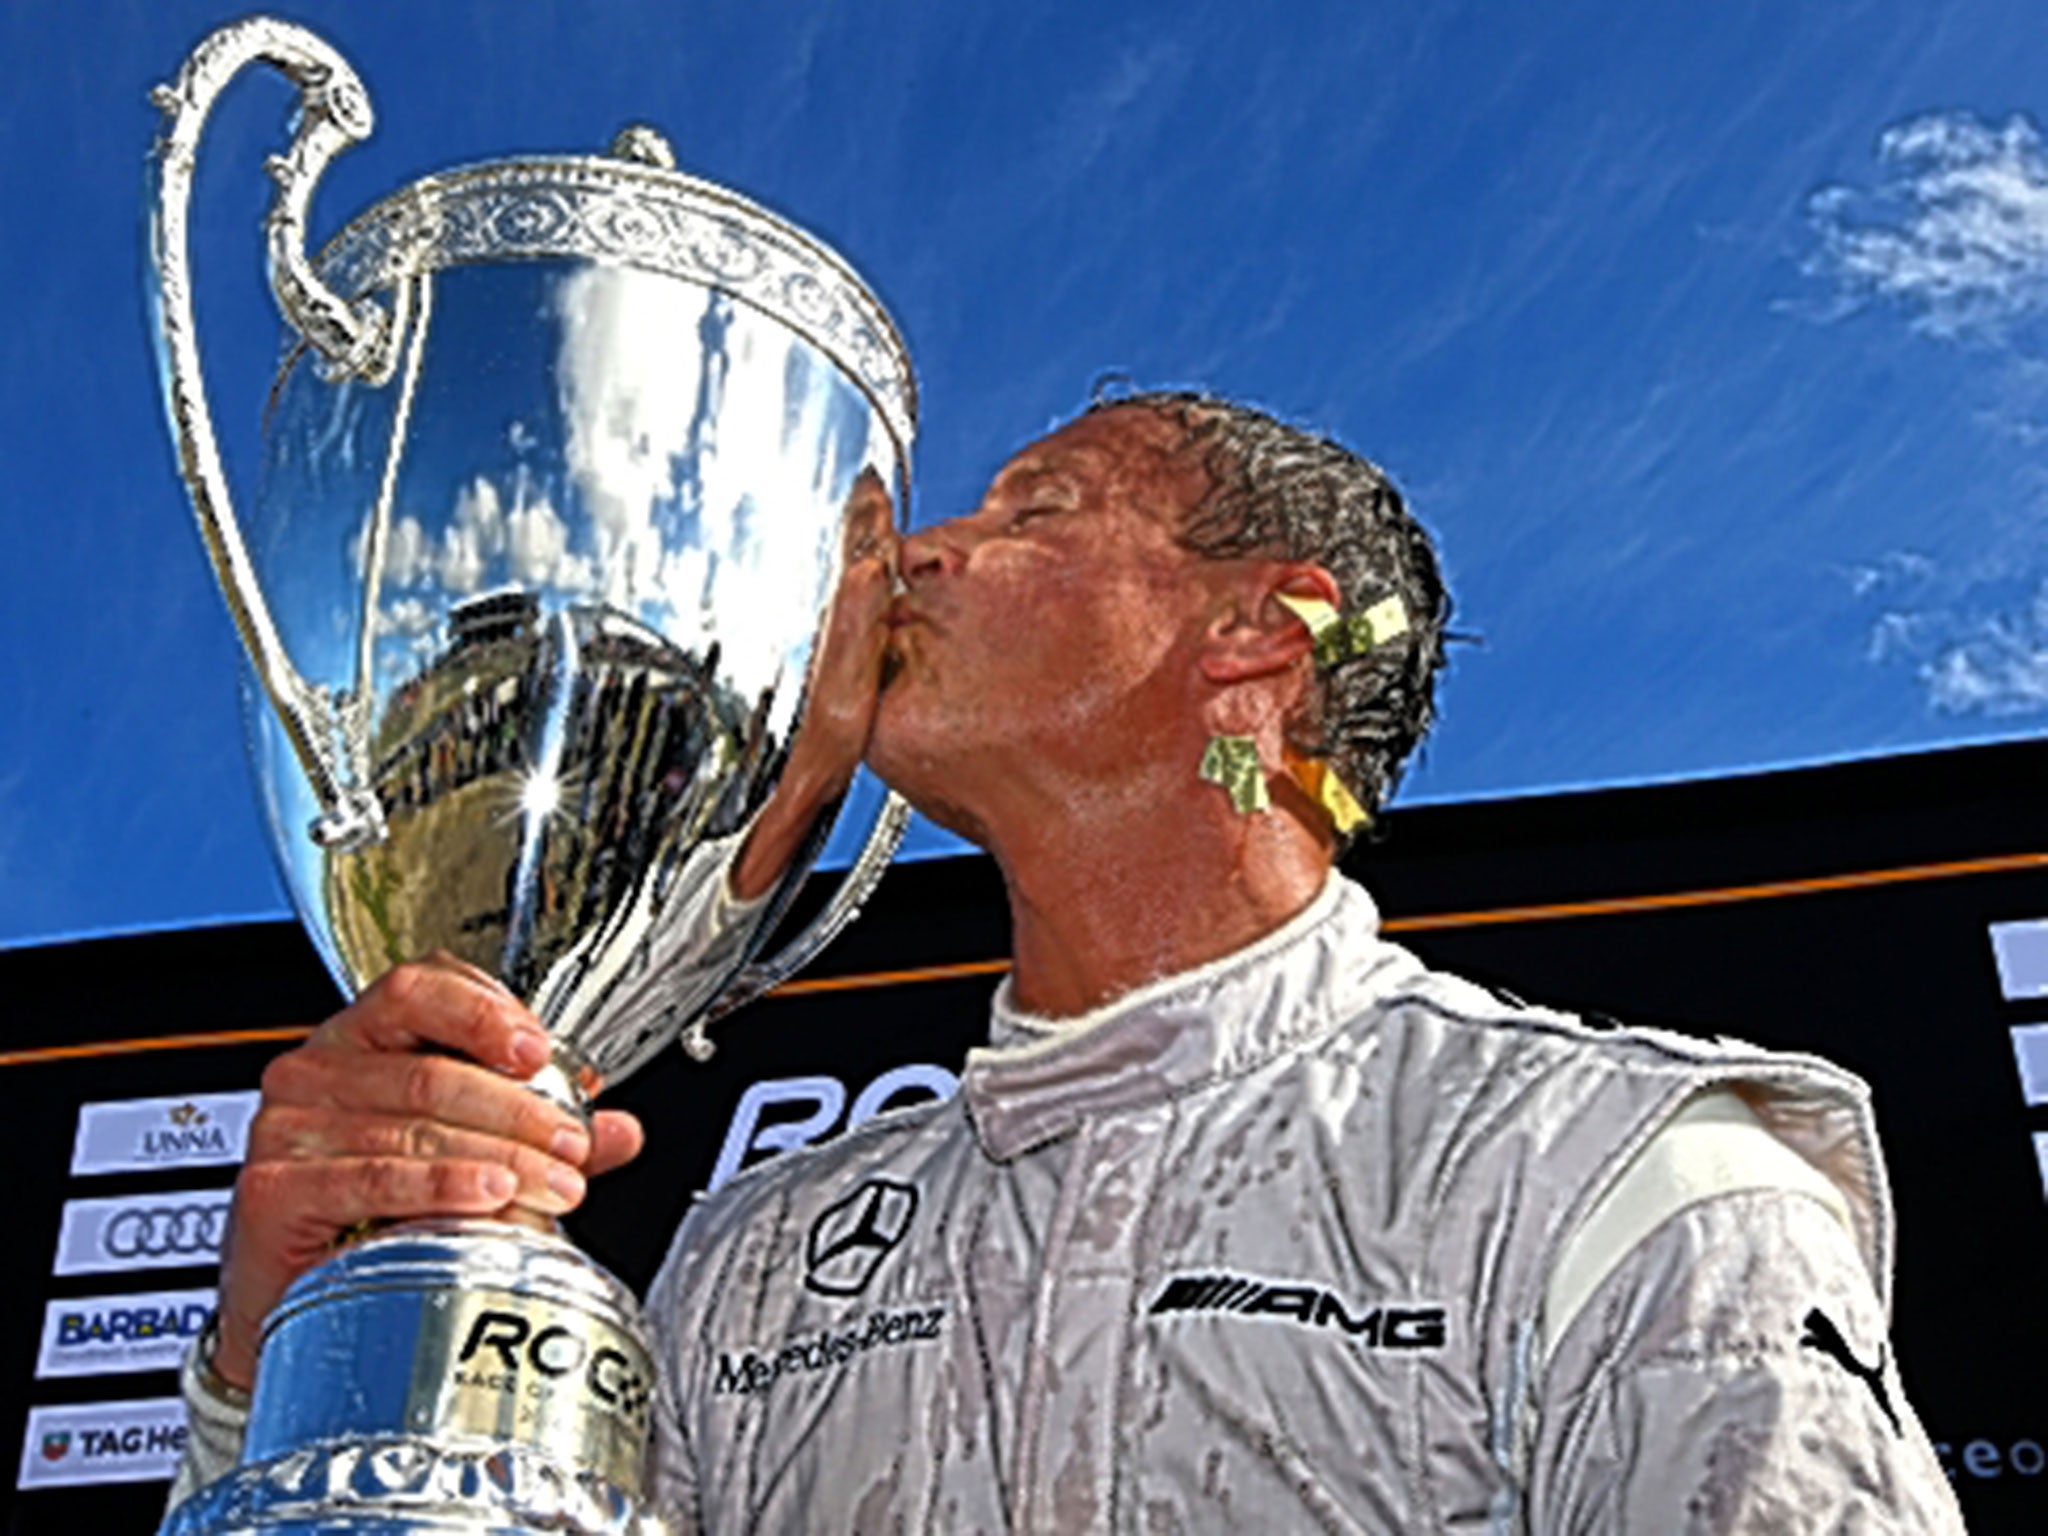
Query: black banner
{"x": 1892, "y": 915}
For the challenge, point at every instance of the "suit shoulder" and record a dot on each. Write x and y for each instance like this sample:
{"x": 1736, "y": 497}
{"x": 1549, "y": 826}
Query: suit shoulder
{"x": 1500, "y": 1024}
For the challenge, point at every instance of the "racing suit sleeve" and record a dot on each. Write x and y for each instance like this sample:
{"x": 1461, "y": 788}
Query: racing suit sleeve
{"x": 213, "y": 1431}
{"x": 1731, "y": 1373}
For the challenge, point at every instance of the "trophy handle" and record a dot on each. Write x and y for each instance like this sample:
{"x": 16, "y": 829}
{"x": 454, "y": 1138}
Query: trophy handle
{"x": 854, "y": 890}
{"x": 359, "y": 341}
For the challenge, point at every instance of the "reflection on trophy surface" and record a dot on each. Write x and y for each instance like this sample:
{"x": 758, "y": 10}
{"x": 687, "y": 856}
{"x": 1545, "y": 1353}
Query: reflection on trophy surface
{"x": 604, "y": 744}
{"x": 602, "y": 558}
{"x": 562, "y": 467}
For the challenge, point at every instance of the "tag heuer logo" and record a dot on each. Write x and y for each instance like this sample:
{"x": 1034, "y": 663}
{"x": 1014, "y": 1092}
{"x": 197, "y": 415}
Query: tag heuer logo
{"x": 850, "y": 1238}
{"x": 56, "y": 1445}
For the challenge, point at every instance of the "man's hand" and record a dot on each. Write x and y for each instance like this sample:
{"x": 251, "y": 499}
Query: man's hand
{"x": 365, "y": 1122}
{"x": 845, "y": 683}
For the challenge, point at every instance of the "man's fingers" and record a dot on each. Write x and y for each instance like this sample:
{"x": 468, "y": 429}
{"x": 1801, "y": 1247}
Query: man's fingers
{"x": 545, "y": 1183}
{"x": 868, "y": 586}
{"x": 476, "y": 973}
{"x": 422, "y": 1087}
{"x": 617, "y": 1139}
{"x": 857, "y": 636}
{"x": 337, "y": 1193}
{"x": 868, "y": 521}
{"x": 442, "y": 1002}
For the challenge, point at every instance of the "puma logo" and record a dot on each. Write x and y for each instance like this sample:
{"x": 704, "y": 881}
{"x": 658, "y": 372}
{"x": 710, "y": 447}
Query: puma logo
{"x": 1822, "y": 1334}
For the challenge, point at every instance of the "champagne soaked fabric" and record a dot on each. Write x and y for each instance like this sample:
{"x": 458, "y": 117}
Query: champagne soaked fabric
{"x": 1269, "y": 1245}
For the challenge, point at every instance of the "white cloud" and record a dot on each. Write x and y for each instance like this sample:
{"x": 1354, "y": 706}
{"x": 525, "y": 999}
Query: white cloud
{"x": 696, "y": 484}
{"x": 2002, "y": 670}
{"x": 474, "y": 538}
{"x": 1955, "y": 231}
{"x": 744, "y": 484}
{"x": 407, "y": 556}
{"x": 483, "y": 545}
{"x": 629, "y": 398}
{"x": 537, "y": 544}
{"x": 1900, "y": 565}
{"x": 1896, "y": 634}
{"x": 1954, "y": 234}
{"x": 1972, "y": 651}
{"x": 406, "y": 616}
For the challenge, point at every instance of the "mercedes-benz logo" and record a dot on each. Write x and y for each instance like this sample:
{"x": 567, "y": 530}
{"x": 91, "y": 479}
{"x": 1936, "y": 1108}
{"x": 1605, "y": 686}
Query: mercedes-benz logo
{"x": 158, "y": 1231}
{"x": 851, "y": 1237}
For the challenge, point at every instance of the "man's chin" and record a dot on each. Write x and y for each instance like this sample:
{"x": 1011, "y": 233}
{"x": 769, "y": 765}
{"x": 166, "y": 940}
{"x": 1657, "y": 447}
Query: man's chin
{"x": 912, "y": 763}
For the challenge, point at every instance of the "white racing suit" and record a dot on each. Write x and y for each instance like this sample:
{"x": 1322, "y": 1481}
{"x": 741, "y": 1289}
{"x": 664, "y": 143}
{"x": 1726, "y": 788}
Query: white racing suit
{"x": 1310, "y": 1239}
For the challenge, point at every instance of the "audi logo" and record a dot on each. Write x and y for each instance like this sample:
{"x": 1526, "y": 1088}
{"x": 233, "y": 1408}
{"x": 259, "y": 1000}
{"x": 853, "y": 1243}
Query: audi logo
{"x": 158, "y": 1231}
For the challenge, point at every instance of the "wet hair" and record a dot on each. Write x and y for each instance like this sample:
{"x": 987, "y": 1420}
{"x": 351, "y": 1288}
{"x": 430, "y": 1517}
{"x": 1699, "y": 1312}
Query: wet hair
{"x": 1278, "y": 491}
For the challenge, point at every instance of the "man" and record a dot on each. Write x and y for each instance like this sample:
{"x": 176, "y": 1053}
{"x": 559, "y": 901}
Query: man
{"x": 1246, "y": 1219}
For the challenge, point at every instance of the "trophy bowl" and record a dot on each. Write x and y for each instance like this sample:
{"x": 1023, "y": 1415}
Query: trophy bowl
{"x": 559, "y": 475}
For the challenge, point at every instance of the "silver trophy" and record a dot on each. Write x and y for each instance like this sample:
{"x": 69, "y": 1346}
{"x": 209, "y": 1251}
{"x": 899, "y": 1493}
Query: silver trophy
{"x": 559, "y": 475}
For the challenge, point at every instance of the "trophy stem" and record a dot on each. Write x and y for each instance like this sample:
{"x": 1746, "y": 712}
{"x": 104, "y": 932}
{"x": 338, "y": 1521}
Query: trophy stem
{"x": 568, "y": 1082}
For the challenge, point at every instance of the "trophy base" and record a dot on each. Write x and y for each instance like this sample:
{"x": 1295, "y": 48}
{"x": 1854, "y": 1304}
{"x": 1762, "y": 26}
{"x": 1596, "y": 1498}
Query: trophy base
{"x": 455, "y": 1375}
{"x": 401, "y": 1486}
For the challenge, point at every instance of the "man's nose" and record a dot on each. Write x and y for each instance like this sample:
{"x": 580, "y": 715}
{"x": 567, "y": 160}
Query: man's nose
{"x": 929, "y": 552}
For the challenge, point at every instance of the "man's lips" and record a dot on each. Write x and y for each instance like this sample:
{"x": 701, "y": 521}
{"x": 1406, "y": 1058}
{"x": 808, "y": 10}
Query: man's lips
{"x": 901, "y": 619}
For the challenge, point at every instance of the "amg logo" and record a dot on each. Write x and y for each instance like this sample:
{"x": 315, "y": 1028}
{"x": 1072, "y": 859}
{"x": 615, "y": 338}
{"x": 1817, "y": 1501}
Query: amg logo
{"x": 1309, "y": 1305}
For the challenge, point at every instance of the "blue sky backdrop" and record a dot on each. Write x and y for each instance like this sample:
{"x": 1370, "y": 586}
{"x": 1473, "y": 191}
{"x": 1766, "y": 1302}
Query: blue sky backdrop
{"x": 1710, "y": 340}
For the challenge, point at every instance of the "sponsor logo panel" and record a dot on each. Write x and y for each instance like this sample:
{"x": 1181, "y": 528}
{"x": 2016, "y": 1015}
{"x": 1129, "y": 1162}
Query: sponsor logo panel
{"x": 2030, "y": 1051}
{"x": 2041, "y": 1157}
{"x": 106, "y": 1335}
{"x": 201, "y": 1130}
{"x": 132, "y": 1442}
{"x": 2022, "y": 953}
{"x": 165, "y": 1231}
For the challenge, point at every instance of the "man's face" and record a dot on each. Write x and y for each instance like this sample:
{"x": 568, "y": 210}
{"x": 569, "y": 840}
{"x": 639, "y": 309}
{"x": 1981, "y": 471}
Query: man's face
{"x": 1050, "y": 635}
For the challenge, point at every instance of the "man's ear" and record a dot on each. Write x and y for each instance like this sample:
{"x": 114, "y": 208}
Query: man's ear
{"x": 1258, "y": 634}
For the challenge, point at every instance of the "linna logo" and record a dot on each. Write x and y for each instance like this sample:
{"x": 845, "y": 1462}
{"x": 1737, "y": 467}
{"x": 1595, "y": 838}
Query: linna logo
{"x": 191, "y": 1130}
